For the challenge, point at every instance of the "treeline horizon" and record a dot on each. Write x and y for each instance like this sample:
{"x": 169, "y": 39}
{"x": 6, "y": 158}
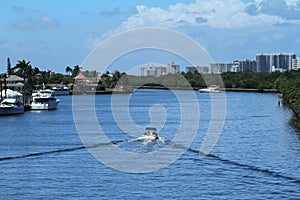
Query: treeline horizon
{"x": 287, "y": 83}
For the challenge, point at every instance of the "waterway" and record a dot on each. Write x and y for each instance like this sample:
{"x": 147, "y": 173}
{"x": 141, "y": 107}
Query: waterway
{"x": 257, "y": 155}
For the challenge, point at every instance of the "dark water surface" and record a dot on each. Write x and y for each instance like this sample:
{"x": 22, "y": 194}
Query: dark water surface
{"x": 256, "y": 157}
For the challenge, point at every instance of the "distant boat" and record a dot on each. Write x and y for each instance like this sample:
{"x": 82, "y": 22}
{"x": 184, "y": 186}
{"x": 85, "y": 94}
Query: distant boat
{"x": 44, "y": 100}
{"x": 150, "y": 135}
{"x": 211, "y": 89}
{"x": 12, "y": 104}
{"x": 59, "y": 90}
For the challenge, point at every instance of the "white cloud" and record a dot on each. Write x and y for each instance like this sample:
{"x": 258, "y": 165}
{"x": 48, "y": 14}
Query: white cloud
{"x": 292, "y": 3}
{"x": 35, "y": 20}
{"x": 287, "y": 9}
{"x": 228, "y": 14}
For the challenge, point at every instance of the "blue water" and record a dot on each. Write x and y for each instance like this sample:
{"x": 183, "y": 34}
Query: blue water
{"x": 257, "y": 155}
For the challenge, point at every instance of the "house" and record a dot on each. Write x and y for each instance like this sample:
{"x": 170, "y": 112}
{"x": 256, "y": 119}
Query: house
{"x": 14, "y": 82}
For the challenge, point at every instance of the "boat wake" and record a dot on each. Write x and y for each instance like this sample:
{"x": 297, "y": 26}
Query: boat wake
{"x": 147, "y": 140}
{"x": 212, "y": 156}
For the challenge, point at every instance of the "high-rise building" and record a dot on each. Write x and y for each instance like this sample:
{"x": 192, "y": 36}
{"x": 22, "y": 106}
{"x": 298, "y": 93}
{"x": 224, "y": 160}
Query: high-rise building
{"x": 247, "y": 65}
{"x": 190, "y": 69}
{"x": 275, "y": 61}
{"x": 263, "y": 62}
{"x": 217, "y": 68}
{"x": 235, "y": 66}
{"x": 154, "y": 70}
{"x": 200, "y": 69}
{"x": 296, "y": 63}
{"x": 173, "y": 68}
{"x": 148, "y": 70}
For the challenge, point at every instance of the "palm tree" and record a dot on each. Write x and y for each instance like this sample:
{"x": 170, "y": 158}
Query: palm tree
{"x": 115, "y": 78}
{"x": 9, "y": 70}
{"x": 106, "y": 79}
{"x": 69, "y": 70}
{"x": 76, "y": 70}
{"x": 24, "y": 70}
{"x": 22, "y": 67}
{"x": 36, "y": 71}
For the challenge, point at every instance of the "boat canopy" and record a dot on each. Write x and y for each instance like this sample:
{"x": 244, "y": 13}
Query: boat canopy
{"x": 9, "y": 101}
{"x": 150, "y": 129}
{"x": 11, "y": 93}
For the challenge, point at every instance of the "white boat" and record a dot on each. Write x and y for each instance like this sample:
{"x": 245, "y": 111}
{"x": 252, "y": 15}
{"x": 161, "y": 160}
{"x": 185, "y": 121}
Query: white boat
{"x": 211, "y": 89}
{"x": 150, "y": 135}
{"x": 44, "y": 100}
{"x": 12, "y": 104}
{"x": 59, "y": 90}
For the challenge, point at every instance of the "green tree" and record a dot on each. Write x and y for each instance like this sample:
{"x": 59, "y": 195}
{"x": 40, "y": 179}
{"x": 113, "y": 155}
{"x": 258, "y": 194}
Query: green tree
{"x": 69, "y": 70}
{"x": 115, "y": 78}
{"x": 106, "y": 79}
{"x": 56, "y": 78}
{"x": 35, "y": 71}
{"x": 24, "y": 70}
{"x": 76, "y": 70}
{"x": 21, "y": 68}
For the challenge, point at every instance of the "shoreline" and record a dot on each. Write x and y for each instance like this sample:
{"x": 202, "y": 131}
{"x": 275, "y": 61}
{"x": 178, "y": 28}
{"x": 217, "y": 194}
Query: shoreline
{"x": 222, "y": 89}
{"x": 250, "y": 90}
{"x": 175, "y": 88}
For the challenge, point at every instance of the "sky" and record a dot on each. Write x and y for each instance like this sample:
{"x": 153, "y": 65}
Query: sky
{"x": 54, "y": 34}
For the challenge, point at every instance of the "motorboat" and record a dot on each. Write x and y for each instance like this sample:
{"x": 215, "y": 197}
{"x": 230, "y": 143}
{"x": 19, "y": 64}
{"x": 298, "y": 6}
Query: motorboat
{"x": 44, "y": 100}
{"x": 59, "y": 90}
{"x": 211, "y": 89}
{"x": 12, "y": 104}
{"x": 150, "y": 135}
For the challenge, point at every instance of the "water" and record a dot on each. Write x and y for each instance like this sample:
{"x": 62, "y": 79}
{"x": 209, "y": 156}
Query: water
{"x": 256, "y": 157}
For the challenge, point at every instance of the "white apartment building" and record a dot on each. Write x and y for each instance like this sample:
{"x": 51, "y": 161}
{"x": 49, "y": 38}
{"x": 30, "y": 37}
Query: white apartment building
{"x": 155, "y": 70}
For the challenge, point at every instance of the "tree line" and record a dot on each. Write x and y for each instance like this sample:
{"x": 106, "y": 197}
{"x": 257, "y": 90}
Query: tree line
{"x": 34, "y": 77}
{"x": 246, "y": 80}
{"x": 287, "y": 83}
{"x": 289, "y": 86}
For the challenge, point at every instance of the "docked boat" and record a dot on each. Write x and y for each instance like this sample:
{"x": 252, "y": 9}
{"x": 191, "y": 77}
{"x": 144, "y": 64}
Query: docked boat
{"x": 44, "y": 100}
{"x": 12, "y": 104}
{"x": 59, "y": 90}
{"x": 211, "y": 89}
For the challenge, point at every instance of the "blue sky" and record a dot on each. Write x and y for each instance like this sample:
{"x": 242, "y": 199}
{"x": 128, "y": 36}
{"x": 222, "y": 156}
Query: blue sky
{"x": 56, "y": 34}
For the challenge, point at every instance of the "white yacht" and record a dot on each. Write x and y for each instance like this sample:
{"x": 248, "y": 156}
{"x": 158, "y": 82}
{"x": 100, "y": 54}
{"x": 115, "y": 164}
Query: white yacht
{"x": 12, "y": 104}
{"x": 44, "y": 100}
{"x": 211, "y": 89}
{"x": 59, "y": 90}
